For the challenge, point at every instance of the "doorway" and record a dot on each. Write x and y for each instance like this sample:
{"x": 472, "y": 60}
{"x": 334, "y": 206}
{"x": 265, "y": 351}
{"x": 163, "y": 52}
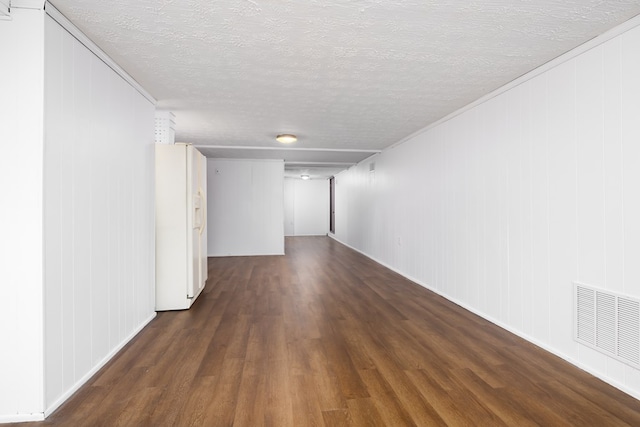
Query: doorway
{"x": 332, "y": 205}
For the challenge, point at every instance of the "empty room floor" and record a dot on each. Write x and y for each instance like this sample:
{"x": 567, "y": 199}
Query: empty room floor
{"x": 325, "y": 336}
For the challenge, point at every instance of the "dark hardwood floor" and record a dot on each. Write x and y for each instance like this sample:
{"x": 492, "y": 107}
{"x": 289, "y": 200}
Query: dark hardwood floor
{"x": 325, "y": 337}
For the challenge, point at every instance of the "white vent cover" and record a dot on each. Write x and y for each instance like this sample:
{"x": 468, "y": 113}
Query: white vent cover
{"x": 165, "y": 127}
{"x": 608, "y": 322}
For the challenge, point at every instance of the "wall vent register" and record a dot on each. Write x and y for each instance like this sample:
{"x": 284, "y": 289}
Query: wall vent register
{"x": 165, "y": 125}
{"x": 608, "y": 322}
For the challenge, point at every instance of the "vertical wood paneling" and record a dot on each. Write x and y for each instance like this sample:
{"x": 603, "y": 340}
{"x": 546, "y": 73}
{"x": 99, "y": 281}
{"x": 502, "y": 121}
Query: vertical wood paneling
{"x": 502, "y": 149}
{"x": 245, "y": 207}
{"x": 514, "y": 208}
{"x": 82, "y": 228}
{"x": 53, "y": 220}
{"x": 539, "y": 286}
{"x": 589, "y": 179}
{"x": 526, "y": 195}
{"x": 21, "y": 219}
{"x": 342, "y": 206}
{"x": 100, "y": 206}
{"x": 517, "y": 198}
{"x": 562, "y": 231}
{"x": 630, "y": 135}
{"x": 452, "y": 239}
{"x": 630, "y": 125}
{"x": 428, "y": 234}
{"x": 480, "y": 206}
{"x": 490, "y": 244}
{"x": 289, "y": 206}
{"x": 463, "y": 210}
{"x": 67, "y": 213}
{"x": 613, "y": 179}
{"x": 612, "y": 158}
{"x": 99, "y": 213}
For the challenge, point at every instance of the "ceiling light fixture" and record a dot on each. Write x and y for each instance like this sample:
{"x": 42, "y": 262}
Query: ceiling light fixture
{"x": 286, "y": 138}
{"x": 305, "y": 177}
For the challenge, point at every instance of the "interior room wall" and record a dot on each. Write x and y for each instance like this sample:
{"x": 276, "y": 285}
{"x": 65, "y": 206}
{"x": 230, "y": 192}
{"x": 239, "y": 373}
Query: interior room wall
{"x": 306, "y": 207}
{"x": 245, "y": 207}
{"x": 289, "y": 207}
{"x": 99, "y": 238}
{"x": 21, "y": 180}
{"x": 77, "y": 219}
{"x": 503, "y": 206}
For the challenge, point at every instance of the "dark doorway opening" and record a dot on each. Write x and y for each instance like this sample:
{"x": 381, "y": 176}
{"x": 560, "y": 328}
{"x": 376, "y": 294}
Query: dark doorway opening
{"x": 332, "y": 204}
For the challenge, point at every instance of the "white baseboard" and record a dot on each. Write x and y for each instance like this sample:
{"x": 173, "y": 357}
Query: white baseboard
{"x": 21, "y": 418}
{"x": 95, "y": 369}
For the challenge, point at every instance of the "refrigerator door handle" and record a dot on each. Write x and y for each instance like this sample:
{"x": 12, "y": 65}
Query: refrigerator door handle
{"x": 203, "y": 210}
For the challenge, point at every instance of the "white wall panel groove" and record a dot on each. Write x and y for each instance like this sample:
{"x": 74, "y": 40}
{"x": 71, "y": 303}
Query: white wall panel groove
{"x": 504, "y": 205}
{"x": 99, "y": 238}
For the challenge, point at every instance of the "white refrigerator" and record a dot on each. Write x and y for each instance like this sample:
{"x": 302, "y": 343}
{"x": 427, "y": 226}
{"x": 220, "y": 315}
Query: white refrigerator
{"x": 181, "y": 225}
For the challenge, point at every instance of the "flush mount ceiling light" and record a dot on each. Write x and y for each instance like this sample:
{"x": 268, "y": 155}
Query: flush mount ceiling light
{"x": 286, "y": 138}
{"x": 305, "y": 177}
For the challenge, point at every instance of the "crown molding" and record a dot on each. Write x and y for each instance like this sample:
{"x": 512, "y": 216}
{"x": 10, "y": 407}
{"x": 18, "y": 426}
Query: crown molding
{"x": 57, "y": 16}
{"x": 26, "y": 4}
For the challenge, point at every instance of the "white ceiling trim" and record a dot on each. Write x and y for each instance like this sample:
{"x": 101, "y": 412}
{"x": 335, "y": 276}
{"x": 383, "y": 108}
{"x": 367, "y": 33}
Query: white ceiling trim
{"x": 320, "y": 164}
{"x": 26, "y": 4}
{"x": 82, "y": 38}
{"x": 244, "y": 147}
{"x": 579, "y": 50}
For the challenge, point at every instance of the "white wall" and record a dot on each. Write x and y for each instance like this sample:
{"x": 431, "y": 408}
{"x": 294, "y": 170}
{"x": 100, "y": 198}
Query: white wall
{"x": 21, "y": 293}
{"x": 502, "y": 207}
{"x": 245, "y": 207}
{"x": 99, "y": 217}
{"x": 289, "y": 207}
{"x": 306, "y": 207}
{"x": 77, "y": 220}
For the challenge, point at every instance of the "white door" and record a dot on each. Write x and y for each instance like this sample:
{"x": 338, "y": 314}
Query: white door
{"x": 197, "y": 190}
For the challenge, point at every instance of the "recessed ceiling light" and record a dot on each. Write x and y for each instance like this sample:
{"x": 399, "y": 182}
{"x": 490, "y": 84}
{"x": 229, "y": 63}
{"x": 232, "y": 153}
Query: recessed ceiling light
{"x": 305, "y": 177}
{"x": 286, "y": 138}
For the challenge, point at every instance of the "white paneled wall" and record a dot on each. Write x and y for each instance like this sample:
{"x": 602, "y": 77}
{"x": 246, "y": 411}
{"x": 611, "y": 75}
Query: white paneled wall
{"x": 245, "y": 207}
{"x": 98, "y": 213}
{"x": 289, "y": 207}
{"x": 21, "y": 318}
{"x": 503, "y": 206}
{"x": 306, "y": 207}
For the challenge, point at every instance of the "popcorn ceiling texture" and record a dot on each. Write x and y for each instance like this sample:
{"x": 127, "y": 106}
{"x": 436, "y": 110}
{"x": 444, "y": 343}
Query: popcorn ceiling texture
{"x": 357, "y": 74}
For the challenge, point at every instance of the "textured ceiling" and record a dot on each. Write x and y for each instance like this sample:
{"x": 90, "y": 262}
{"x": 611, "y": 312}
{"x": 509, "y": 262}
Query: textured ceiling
{"x": 348, "y": 74}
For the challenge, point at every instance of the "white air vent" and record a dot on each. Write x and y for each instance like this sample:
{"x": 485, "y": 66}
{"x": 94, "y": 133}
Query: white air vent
{"x": 608, "y": 322}
{"x": 585, "y": 315}
{"x": 165, "y": 127}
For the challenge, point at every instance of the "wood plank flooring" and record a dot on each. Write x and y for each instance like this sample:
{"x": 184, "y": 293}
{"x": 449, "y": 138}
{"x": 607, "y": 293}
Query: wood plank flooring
{"x": 325, "y": 337}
